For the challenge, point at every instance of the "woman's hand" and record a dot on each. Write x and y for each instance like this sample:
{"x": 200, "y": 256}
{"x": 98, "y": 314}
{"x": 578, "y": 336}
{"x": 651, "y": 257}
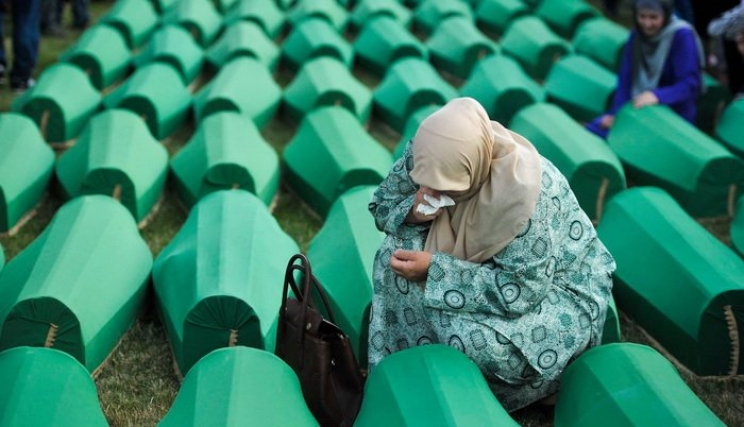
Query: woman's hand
{"x": 416, "y": 217}
{"x": 412, "y": 265}
{"x": 645, "y": 98}
{"x": 607, "y": 121}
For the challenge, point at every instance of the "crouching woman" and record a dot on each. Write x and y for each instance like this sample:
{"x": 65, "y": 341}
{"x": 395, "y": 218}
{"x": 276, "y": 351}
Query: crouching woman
{"x": 512, "y": 274}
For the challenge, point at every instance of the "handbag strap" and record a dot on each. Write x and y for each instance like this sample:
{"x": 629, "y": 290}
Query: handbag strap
{"x": 309, "y": 281}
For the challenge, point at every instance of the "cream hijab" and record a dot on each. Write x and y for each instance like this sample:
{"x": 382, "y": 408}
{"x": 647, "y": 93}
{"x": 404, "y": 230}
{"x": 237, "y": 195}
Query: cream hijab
{"x": 493, "y": 174}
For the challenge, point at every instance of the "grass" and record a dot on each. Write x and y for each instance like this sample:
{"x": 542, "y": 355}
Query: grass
{"x": 138, "y": 384}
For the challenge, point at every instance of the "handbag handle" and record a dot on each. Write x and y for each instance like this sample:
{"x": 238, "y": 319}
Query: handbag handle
{"x": 308, "y": 282}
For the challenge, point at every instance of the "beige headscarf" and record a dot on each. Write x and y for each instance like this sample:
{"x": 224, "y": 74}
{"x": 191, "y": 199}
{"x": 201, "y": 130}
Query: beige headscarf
{"x": 496, "y": 174}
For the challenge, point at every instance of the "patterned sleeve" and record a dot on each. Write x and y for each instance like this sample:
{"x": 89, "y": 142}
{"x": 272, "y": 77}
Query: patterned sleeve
{"x": 393, "y": 199}
{"x": 511, "y": 288}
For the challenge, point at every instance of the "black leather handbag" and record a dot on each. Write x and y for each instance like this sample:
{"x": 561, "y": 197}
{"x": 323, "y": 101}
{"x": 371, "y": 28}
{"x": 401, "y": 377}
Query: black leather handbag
{"x": 318, "y": 350}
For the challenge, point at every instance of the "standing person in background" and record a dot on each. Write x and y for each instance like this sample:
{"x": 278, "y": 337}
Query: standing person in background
{"x": 25, "y": 18}
{"x": 730, "y": 29}
{"x": 662, "y": 64}
{"x": 509, "y": 271}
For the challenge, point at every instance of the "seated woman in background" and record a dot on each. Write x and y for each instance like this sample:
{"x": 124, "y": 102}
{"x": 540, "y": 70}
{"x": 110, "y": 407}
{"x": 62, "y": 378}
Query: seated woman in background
{"x": 512, "y": 274}
{"x": 662, "y": 64}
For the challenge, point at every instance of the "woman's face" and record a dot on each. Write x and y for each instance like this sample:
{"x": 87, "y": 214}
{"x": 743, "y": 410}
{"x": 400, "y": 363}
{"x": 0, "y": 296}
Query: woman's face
{"x": 649, "y": 21}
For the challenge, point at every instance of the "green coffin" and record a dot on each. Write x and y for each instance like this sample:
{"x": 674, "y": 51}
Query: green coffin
{"x": 366, "y": 11}
{"x": 116, "y": 156}
{"x": 428, "y": 14}
{"x": 412, "y": 126}
{"x": 226, "y": 151}
{"x": 430, "y": 385}
{"x": 331, "y": 153}
{"x": 658, "y": 147}
{"x": 134, "y": 19}
{"x": 581, "y": 87}
{"x": 714, "y": 98}
{"x": 496, "y": 15}
{"x": 60, "y": 103}
{"x": 80, "y": 285}
{"x": 457, "y": 45}
{"x": 239, "y": 386}
{"x": 243, "y": 38}
{"x": 602, "y": 40}
{"x": 730, "y": 128}
{"x": 383, "y": 41}
{"x": 500, "y": 84}
{"x": 156, "y": 93}
{"x": 341, "y": 254}
{"x": 46, "y": 387}
{"x": 628, "y": 385}
{"x": 26, "y": 164}
{"x": 592, "y": 169}
{"x": 534, "y": 45}
{"x": 315, "y": 38}
{"x": 676, "y": 280}
{"x": 173, "y": 45}
{"x": 611, "y": 331}
{"x": 323, "y": 82}
{"x": 257, "y": 97}
{"x": 199, "y": 17}
{"x": 266, "y": 14}
{"x": 218, "y": 283}
{"x": 565, "y": 16}
{"x": 102, "y": 53}
{"x": 329, "y": 10}
{"x": 737, "y": 228}
{"x": 408, "y": 85}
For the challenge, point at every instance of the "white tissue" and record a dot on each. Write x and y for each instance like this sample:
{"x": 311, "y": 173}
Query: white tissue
{"x": 434, "y": 204}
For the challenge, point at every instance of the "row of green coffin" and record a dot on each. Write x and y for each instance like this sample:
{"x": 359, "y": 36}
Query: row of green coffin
{"x": 136, "y": 19}
{"x": 227, "y": 151}
{"x": 455, "y": 50}
{"x": 496, "y": 81}
{"x": 101, "y": 39}
{"x": 455, "y": 46}
{"x": 706, "y": 349}
{"x": 618, "y": 385}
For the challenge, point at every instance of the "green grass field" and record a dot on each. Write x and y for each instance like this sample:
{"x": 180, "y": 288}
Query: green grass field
{"x": 138, "y": 383}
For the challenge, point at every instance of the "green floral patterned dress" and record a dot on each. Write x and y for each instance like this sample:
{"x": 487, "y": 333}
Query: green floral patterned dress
{"x": 522, "y": 316}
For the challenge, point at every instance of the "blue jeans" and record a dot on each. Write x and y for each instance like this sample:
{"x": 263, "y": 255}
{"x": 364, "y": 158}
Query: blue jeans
{"x": 25, "y": 16}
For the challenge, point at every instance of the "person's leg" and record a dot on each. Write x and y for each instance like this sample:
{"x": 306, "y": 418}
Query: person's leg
{"x": 49, "y": 20}
{"x": 25, "y": 15}
{"x": 80, "y": 13}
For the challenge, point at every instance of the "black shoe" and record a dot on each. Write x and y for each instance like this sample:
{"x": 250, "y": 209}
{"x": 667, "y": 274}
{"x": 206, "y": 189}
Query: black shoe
{"x": 21, "y": 86}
